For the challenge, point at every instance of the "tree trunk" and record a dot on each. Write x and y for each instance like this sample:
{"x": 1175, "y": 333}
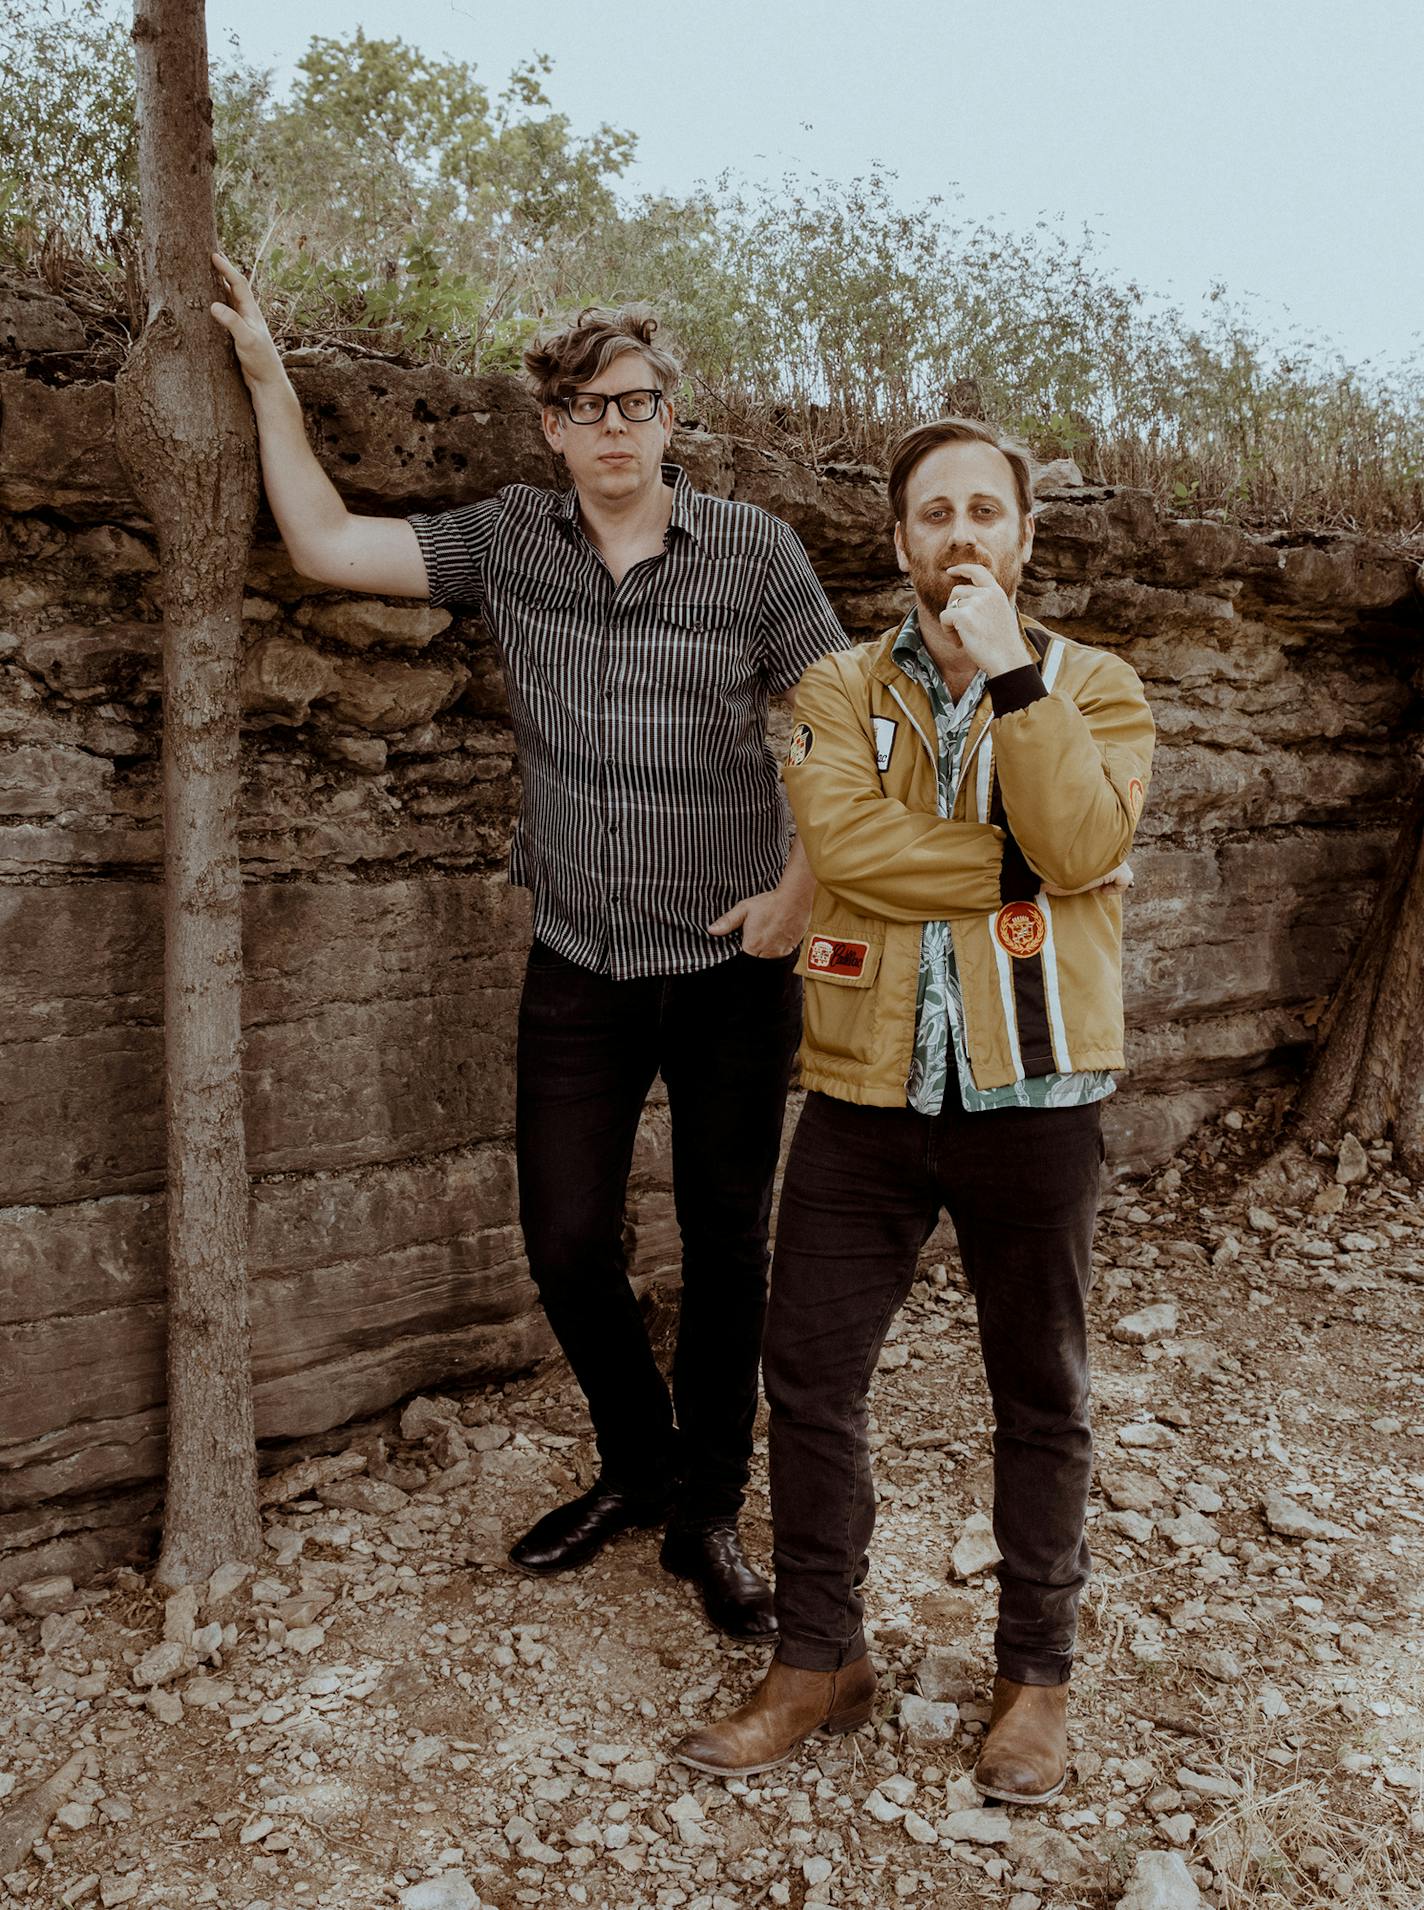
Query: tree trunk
{"x": 1368, "y": 1073}
{"x": 186, "y": 437}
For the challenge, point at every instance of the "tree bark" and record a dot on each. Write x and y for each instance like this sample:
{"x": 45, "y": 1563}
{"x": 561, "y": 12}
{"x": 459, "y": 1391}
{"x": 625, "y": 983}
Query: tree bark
{"x": 1368, "y": 1073}
{"x": 186, "y": 437}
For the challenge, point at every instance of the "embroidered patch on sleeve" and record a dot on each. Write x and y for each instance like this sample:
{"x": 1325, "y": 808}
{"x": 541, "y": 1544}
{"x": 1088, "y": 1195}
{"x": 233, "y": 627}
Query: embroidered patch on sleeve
{"x": 885, "y": 727}
{"x": 1136, "y": 796}
{"x": 803, "y": 738}
{"x": 827, "y": 956}
{"x": 1020, "y": 929}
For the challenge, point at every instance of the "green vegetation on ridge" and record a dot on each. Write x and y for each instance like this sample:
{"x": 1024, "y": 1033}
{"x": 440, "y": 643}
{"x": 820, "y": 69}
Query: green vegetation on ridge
{"x": 390, "y": 200}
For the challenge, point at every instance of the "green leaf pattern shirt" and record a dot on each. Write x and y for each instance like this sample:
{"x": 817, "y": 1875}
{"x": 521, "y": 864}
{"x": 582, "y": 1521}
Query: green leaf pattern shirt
{"x": 939, "y": 1012}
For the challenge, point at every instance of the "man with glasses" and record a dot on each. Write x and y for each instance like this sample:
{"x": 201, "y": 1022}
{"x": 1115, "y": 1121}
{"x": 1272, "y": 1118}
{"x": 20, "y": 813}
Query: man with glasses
{"x": 643, "y": 627}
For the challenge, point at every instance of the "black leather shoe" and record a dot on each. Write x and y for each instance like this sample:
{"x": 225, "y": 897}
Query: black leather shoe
{"x": 738, "y": 1600}
{"x": 571, "y": 1534}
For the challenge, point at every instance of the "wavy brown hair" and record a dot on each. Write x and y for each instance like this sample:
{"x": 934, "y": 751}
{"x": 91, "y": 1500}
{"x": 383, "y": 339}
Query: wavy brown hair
{"x": 559, "y": 362}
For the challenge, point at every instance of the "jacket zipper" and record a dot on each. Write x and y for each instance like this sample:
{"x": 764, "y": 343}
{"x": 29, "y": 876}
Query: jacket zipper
{"x": 914, "y": 725}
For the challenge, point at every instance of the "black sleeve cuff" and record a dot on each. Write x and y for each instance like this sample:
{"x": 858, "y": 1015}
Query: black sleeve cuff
{"x": 1017, "y": 881}
{"x": 1016, "y": 689}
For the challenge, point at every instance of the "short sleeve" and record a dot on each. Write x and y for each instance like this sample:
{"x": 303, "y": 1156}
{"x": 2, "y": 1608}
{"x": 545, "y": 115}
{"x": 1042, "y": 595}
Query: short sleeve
{"x": 454, "y": 545}
{"x": 797, "y": 623}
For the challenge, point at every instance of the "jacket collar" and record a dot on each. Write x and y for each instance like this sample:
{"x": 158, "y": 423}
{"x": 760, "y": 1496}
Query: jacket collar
{"x": 885, "y": 669}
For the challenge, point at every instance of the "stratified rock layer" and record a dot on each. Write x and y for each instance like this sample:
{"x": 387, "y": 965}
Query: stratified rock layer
{"x": 384, "y": 948}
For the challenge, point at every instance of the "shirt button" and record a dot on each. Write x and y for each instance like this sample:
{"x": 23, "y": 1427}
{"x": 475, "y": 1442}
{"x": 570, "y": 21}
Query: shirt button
{"x": 613, "y": 828}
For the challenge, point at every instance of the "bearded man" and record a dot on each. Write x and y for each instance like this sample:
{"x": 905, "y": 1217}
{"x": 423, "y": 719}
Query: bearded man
{"x": 967, "y": 789}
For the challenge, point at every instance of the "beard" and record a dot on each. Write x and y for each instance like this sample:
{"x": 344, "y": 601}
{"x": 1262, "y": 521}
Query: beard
{"x": 932, "y": 587}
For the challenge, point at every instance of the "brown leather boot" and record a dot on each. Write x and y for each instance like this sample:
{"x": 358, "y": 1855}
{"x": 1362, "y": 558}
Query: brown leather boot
{"x": 1025, "y": 1755}
{"x": 788, "y": 1706}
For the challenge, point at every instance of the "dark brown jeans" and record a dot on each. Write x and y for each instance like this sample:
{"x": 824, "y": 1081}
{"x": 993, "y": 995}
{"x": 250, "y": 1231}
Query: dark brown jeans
{"x": 864, "y": 1190}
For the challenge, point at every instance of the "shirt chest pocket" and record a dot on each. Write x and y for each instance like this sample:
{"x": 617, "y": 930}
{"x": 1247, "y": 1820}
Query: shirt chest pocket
{"x": 694, "y": 651}
{"x": 546, "y": 638}
{"x": 527, "y": 601}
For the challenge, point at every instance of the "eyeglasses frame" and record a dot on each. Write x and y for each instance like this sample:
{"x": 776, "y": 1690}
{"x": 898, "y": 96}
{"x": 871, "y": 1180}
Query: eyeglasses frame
{"x": 614, "y": 398}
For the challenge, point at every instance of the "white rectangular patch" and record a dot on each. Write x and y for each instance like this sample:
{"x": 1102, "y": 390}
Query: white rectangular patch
{"x": 885, "y": 728}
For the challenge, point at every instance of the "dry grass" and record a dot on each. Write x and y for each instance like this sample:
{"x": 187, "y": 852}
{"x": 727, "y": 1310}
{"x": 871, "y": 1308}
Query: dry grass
{"x": 1286, "y": 1847}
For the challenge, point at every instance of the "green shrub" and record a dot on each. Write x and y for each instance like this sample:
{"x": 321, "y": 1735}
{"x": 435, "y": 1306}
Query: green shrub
{"x": 389, "y": 201}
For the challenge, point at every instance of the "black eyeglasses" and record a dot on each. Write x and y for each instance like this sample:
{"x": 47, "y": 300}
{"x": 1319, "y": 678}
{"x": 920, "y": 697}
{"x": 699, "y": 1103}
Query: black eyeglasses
{"x": 588, "y": 407}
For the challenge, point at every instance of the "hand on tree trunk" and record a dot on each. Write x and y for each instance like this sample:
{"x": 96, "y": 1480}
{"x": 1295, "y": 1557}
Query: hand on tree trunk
{"x": 241, "y": 318}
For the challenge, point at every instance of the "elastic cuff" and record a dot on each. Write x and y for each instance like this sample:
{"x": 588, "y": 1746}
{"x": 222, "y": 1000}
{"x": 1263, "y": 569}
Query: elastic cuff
{"x": 1017, "y": 881}
{"x": 1016, "y": 689}
{"x": 813, "y": 1654}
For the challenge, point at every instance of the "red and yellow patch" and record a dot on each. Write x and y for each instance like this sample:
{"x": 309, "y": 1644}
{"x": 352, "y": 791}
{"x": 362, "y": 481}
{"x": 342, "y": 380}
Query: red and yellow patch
{"x": 803, "y": 738}
{"x": 1136, "y": 796}
{"x": 1020, "y": 929}
{"x": 828, "y": 956}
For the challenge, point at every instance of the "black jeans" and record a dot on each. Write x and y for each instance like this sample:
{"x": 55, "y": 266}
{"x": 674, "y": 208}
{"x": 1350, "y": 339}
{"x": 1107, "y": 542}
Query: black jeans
{"x": 863, "y": 1191}
{"x": 723, "y": 1039}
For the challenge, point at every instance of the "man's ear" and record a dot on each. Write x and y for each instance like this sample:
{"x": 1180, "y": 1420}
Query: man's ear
{"x": 900, "y": 558}
{"x": 552, "y": 421}
{"x": 1027, "y": 535}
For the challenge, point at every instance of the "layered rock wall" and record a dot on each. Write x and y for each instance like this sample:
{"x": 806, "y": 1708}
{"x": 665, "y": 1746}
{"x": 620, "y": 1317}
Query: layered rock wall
{"x": 384, "y": 948}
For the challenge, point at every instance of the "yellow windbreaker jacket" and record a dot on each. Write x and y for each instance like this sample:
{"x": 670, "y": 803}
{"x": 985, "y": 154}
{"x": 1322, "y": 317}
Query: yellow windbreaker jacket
{"x": 1053, "y": 779}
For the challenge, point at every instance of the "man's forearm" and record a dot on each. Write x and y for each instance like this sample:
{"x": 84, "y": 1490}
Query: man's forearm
{"x": 309, "y": 512}
{"x": 323, "y": 539}
{"x": 798, "y": 879}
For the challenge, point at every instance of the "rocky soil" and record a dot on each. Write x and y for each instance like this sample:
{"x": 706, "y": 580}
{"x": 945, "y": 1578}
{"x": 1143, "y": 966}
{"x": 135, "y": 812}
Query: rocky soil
{"x": 383, "y": 1713}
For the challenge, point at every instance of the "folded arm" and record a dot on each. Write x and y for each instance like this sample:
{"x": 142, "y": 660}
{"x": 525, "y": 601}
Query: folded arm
{"x": 867, "y": 848}
{"x": 1073, "y": 773}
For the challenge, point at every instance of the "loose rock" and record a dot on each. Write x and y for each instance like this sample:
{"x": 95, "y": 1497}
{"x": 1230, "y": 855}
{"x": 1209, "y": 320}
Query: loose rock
{"x": 975, "y": 1550}
{"x": 977, "y": 1827}
{"x": 1150, "y": 1323}
{"x": 1290, "y": 1520}
{"x": 924, "y": 1721}
{"x": 43, "y": 1595}
{"x": 449, "y": 1892}
{"x": 160, "y": 1663}
{"x": 1161, "y": 1881}
{"x": 1352, "y": 1163}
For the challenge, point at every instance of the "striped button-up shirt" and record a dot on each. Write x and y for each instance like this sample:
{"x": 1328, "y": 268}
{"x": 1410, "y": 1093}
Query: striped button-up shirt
{"x": 651, "y": 802}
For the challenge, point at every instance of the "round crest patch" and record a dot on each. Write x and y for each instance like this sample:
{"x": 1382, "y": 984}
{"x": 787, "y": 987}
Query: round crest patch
{"x": 802, "y": 740}
{"x": 1135, "y": 797}
{"x": 1021, "y": 929}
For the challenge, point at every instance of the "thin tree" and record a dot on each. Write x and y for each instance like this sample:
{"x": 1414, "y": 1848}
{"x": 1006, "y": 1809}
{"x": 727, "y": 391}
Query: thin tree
{"x": 1367, "y": 1077}
{"x": 186, "y": 437}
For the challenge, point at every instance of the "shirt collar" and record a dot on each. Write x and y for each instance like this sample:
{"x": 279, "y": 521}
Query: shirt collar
{"x": 684, "y": 517}
{"x": 910, "y": 653}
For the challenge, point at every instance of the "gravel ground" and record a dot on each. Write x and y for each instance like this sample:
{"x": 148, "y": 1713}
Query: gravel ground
{"x": 384, "y": 1713}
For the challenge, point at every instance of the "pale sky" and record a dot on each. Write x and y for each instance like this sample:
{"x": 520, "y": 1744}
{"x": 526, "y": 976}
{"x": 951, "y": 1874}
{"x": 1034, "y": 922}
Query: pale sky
{"x": 1274, "y": 145}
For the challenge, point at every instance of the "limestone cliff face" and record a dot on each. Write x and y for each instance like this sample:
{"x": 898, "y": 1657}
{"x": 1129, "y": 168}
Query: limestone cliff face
{"x": 384, "y": 948}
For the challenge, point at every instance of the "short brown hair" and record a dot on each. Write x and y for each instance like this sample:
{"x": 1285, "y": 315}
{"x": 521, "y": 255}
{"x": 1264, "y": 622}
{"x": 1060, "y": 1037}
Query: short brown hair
{"x": 559, "y": 362}
{"x": 917, "y": 445}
